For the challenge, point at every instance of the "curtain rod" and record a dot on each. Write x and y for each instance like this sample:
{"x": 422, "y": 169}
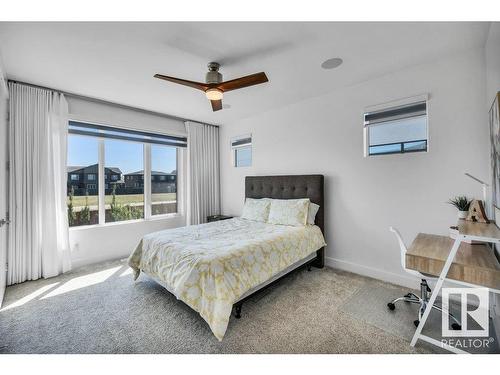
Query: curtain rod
{"x": 124, "y": 106}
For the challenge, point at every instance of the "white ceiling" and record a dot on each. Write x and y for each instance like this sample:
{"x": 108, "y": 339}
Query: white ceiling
{"x": 117, "y": 61}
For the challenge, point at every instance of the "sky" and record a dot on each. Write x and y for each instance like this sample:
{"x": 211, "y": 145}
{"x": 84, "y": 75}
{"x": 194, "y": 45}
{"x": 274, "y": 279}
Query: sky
{"x": 128, "y": 156}
{"x": 244, "y": 156}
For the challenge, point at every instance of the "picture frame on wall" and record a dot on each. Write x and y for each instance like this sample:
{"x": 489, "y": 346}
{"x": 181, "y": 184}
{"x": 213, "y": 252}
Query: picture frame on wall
{"x": 494, "y": 117}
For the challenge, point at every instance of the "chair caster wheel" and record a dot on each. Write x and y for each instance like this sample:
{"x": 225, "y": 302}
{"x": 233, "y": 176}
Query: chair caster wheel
{"x": 237, "y": 309}
{"x": 416, "y": 322}
{"x": 391, "y": 306}
{"x": 456, "y": 327}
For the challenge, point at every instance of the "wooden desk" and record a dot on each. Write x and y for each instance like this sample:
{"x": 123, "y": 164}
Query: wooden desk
{"x": 474, "y": 265}
{"x": 479, "y": 231}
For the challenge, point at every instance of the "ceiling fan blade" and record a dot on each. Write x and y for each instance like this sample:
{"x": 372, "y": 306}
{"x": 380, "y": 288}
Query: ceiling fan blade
{"x": 216, "y": 105}
{"x": 195, "y": 85}
{"x": 239, "y": 83}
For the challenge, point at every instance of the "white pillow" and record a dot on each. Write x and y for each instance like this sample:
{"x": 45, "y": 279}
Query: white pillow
{"x": 311, "y": 215}
{"x": 289, "y": 212}
{"x": 256, "y": 209}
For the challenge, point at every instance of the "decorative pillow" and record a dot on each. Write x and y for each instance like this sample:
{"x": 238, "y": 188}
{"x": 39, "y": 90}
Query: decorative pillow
{"x": 256, "y": 209}
{"x": 289, "y": 212}
{"x": 311, "y": 215}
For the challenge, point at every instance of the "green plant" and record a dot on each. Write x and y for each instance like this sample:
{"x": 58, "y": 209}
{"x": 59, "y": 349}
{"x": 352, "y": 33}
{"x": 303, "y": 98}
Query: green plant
{"x": 85, "y": 212}
{"x": 71, "y": 211}
{"x": 116, "y": 209}
{"x": 461, "y": 202}
{"x": 120, "y": 212}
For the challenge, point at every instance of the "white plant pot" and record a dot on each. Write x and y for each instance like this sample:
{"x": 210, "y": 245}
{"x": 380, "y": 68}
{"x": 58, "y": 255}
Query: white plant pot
{"x": 462, "y": 214}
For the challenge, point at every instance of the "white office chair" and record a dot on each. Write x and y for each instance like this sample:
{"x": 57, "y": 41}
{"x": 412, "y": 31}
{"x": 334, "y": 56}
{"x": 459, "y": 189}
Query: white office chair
{"x": 424, "y": 288}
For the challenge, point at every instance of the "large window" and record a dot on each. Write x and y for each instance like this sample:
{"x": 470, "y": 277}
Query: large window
{"x": 397, "y": 129}
{"x": 138, "y": 170}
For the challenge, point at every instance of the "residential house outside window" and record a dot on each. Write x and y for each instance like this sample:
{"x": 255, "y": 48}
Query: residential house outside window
{"x": 83, "y": 200}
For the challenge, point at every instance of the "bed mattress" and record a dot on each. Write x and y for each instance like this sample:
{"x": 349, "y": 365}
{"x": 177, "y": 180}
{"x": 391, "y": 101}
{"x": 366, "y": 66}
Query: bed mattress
{"x": 211, "y": 266}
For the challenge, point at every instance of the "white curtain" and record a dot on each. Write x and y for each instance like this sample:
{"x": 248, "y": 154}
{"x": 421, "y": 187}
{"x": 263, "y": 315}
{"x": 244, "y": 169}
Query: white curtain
{"x": 38, "y": 233}
{"x": 203, "y": 181}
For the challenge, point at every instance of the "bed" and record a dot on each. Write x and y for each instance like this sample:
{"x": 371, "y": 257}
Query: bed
{"x": 215, "y": 267}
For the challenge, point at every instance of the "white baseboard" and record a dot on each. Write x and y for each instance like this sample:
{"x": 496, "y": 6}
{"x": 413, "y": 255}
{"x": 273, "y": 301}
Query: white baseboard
{"x": 406, "y": 281}
{"x": 394, "y": 278}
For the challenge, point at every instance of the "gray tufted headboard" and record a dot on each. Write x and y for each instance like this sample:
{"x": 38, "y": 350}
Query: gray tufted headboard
{"x": 291, "y": 187}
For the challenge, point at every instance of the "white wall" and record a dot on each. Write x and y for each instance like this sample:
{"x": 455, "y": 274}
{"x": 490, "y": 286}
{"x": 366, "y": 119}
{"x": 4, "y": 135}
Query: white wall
{"x": 492, "y": 56}
{"x": 364, "y": 196}
{"x": 113, "y": 241}
{"x": 117, "y": 240}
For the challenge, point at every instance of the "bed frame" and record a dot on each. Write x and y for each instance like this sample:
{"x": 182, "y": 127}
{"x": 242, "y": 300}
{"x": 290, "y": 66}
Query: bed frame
{"x": 288, "y": 187}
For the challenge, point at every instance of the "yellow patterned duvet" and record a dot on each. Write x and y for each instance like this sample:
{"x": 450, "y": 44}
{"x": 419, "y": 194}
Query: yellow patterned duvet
{"x": 210, "y": 266}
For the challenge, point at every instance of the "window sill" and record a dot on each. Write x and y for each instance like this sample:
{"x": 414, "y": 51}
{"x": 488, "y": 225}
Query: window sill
{"x": 153, "y": 218}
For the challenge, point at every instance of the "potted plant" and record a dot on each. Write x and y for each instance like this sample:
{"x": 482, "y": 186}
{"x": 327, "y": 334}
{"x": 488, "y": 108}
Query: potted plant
{"x": 462, "y": 203}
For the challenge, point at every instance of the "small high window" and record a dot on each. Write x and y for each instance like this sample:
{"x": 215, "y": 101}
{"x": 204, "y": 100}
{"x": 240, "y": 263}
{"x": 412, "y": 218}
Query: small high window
{"x": 241, "y": 148}
{"x": 398, "y": 128}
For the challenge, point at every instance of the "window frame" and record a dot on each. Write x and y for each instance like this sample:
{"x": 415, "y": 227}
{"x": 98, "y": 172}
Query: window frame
{"x": 180, "y": 185}
{"x": 388, "y": 106}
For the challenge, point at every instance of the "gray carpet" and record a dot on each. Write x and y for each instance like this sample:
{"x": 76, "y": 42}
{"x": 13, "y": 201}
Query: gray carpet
{"x": 100, "y": 309}
{"x": 400, "y": 321}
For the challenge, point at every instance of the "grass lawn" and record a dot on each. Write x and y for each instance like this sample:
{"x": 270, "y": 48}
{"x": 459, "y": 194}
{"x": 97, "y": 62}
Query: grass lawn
{"x": 79, "y": 201}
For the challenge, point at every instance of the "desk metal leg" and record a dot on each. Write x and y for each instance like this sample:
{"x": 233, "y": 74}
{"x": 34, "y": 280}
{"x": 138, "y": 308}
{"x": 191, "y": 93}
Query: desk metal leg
{"x": 437, "y": 288}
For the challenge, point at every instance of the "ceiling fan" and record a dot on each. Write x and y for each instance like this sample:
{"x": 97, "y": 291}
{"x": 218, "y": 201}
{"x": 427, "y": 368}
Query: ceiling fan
{"x": 214, "y": 88}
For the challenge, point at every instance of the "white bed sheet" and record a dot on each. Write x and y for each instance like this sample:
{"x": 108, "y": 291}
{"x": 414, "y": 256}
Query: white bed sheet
{"x": 212, "y": 266}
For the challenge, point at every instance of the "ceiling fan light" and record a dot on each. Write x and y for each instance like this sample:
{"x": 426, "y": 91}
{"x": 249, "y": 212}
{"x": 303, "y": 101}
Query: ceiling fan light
{"x": 214, "y": 94}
